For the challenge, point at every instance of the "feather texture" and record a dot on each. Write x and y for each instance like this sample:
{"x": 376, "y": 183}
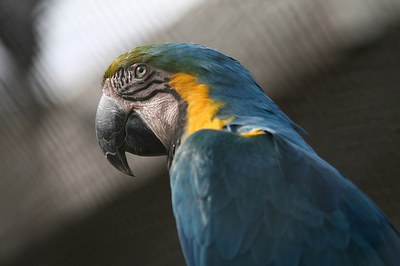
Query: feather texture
{"x": 264, "y": 200}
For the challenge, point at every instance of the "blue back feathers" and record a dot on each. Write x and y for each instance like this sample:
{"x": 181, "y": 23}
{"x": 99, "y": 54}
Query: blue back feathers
{"x": 265, "y": 201}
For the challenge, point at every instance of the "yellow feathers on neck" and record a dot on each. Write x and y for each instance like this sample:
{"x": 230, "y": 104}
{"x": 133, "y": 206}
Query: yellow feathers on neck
{"x": 201, "y": 109}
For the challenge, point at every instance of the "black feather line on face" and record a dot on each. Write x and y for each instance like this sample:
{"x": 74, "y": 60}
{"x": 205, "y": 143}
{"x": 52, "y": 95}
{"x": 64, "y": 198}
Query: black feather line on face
{"x": 145, "y": 98}
{"x": 136, "y": 90}
{"x": 121, "y": 78}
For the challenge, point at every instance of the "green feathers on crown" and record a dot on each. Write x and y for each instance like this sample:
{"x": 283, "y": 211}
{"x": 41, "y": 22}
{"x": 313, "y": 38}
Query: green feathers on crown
{"x": 126, "y": 59}
{"x": 208, "y": 65}
{"x": 173, "y": 57}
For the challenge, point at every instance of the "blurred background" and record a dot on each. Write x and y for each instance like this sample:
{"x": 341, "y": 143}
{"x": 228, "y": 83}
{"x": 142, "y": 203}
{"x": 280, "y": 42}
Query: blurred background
{"x": 332, "y": 65}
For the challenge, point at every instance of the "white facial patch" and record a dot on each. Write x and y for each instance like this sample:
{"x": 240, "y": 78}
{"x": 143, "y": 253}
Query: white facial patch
{"x": 160, "y": 113}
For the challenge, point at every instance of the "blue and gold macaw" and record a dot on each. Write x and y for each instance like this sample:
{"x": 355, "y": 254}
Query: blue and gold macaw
{"x": 246, "y": 188}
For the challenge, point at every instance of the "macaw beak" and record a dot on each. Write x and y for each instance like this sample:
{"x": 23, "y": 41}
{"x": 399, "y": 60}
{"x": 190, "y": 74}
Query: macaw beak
{"x": 119, "y": 132}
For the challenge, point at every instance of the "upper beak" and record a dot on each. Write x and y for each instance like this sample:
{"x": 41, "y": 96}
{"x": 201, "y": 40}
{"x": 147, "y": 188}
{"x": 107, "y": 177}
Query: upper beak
{"x": 119, "y": 132}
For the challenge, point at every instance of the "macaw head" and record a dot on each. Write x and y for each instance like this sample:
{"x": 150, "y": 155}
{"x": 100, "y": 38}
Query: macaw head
{"x": 155, "y": 96}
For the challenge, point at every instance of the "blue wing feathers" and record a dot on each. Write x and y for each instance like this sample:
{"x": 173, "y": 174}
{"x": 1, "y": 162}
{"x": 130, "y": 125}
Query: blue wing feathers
{"x": 220, "y": 200}
{"x": 268, "y": 200}
{"x": 337, "y": 238}
{"x": 288, "y": 252}
{"x": 316, "y": 239}
{"x": 275, "y": 222}
{"x": 264, "y": 247}
{"x": 227, "y": 242}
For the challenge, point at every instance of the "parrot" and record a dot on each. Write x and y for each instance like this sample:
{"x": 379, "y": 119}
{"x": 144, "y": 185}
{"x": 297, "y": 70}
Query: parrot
{"x": 246, "y": 187}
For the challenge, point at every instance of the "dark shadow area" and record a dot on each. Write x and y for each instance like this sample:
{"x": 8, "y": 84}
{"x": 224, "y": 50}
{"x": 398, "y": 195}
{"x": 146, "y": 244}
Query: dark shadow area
{"x": 137, "y": 228}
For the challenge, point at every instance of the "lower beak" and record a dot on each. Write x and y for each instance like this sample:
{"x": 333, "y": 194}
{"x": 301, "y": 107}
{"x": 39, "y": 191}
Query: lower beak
{"x": 119, "y": 132}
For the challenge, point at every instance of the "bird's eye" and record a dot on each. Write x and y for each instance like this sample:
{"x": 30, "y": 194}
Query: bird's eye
{"x": 140, "y": 71}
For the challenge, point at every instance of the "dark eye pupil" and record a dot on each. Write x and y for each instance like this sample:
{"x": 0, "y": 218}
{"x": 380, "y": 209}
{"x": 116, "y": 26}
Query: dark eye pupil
{"x": 141, "y": 71}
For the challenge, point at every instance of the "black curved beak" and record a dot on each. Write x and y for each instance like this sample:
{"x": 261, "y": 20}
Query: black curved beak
{"x": 119, "y": 132}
